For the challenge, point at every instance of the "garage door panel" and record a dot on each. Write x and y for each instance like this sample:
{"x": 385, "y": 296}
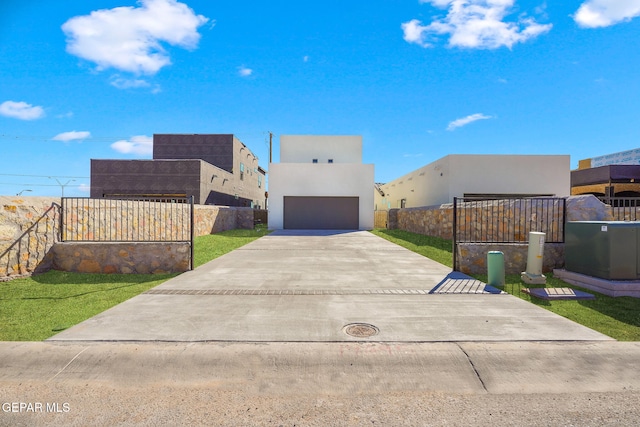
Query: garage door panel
{"x": 321, "y": 213}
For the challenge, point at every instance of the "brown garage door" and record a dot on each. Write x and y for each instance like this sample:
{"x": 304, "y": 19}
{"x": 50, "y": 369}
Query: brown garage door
{"x": 321, "y": 213}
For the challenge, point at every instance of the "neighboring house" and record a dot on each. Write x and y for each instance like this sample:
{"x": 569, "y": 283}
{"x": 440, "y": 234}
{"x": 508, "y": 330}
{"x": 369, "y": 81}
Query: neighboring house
{"x": 215, "y": 169}
{"x": 611, "y": 175}
{"x": 477, "y": 176}
{"x": 321, "y": 183}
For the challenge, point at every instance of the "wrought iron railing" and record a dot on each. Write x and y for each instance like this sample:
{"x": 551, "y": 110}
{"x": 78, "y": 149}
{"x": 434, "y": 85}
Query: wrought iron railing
{"x": 127, "y": 220}
{"x": 27, "y": 252}
{"x": 507, "y": 220}
{"x": 623, "y": 208}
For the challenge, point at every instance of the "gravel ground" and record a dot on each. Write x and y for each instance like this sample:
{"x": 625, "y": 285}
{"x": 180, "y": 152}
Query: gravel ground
{"x": 104, "y": 404}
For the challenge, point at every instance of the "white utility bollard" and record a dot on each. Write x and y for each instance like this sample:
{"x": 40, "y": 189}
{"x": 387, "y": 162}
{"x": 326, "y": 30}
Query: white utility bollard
{"x": 535, "y": 256}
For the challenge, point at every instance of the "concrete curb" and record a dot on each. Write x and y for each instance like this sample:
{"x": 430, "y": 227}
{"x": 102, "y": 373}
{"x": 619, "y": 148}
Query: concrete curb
{"x": 333, "y": 368}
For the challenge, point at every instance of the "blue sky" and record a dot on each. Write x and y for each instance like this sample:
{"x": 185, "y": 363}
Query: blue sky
{"x": 418, "y": 79}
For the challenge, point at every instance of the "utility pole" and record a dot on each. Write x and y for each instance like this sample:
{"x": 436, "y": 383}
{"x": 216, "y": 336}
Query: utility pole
{"x": 61, "y": 184}
{"x": 270, "y": 146}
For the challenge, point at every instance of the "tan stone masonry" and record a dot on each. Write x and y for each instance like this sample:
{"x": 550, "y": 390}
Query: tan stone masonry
{"x": 33, "y": 251}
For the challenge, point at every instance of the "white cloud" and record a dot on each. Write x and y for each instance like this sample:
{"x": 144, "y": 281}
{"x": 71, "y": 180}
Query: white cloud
{"x": 140, "y": 144}
{"x": 72, "y": 136}
{"x": 129, "y": 38}
{"x": 466, "y": 120}
{"x": 124, "y": 83}
{"x": 474, "y": 24}
{"x": 603, "y": 13}
{"x": 244, "y": 71}
{"x": 414, "y": 32}
{"x": 21, "y": 110}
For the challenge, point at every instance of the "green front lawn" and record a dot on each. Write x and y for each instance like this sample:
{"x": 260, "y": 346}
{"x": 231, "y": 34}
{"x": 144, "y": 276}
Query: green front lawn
{"x": 617, "y": 317}
{"x": 37, "y": 307}
{"x": 212, "y": 246}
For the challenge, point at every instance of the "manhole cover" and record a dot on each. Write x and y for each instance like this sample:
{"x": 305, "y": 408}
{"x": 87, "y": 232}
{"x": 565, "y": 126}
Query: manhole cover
{"x": 360, "y": 330}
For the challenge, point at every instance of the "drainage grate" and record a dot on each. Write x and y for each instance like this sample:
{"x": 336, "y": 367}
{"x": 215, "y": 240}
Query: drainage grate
{"x": 163, "y": 291}
{"x": 360, "y": 330}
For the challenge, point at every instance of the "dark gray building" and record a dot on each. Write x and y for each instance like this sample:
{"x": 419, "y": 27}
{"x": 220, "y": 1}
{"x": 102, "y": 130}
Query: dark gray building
{"x": 216, "y": 169}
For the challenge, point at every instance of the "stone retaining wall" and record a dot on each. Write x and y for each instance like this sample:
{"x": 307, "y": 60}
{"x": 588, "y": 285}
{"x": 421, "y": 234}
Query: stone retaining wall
{"x": 431, "y": 220}
{"x": 438, "y": 221}
{"x": 33, "y": 251}
{"x": 214, "y": 219}
{"x": 127, "y": 258}
{"x": 587, "y": 208}
{"x": 472, "y": 257}
{"x": 24, "y": 250}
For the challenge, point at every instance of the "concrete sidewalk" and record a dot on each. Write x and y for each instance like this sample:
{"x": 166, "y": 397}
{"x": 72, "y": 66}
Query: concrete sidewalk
{"x": 307, "y": 286}
{"x": 334, "y": 368}
{"x": 321, "y": 384}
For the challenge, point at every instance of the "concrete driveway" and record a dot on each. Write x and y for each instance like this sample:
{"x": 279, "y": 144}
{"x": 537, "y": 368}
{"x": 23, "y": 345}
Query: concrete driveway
{"x": 325, "y": 286}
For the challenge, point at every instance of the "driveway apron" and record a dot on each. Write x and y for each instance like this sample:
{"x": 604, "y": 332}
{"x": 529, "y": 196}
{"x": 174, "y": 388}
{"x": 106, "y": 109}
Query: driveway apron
{"x": 325, "y": 286}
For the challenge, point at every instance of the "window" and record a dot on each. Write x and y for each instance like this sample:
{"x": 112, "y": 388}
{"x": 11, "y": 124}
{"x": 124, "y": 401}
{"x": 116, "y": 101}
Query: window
{"x": 259, "y": 181}
{"x": 315, "y": 160}
{"x": 241, "y": 171}
{"x": 330, "y": 160}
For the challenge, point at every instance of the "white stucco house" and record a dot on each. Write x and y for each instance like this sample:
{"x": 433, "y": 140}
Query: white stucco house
{"x": 321, "y": 183}
{"x": 481, "y": 176}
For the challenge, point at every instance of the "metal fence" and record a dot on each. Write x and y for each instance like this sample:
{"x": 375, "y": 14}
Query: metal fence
{"x": 623, "y": 208}
{"x": 507, "y": 220}
{"x": 127, "y": 220}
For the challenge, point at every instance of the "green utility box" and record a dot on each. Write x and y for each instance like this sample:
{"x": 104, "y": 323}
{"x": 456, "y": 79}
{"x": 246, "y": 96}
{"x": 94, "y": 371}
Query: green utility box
{"x": 604, "y": 249}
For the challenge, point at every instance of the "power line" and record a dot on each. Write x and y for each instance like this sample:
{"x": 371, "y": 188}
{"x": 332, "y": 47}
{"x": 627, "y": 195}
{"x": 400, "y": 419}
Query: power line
{"x": 35, "y": 185}
{"x": 50, "y": 138}
{"x": 35, "y": 139}
{"x": 43, "y": 176}
{"x": 112, "y": 138}
{"x": 98, "y": 138}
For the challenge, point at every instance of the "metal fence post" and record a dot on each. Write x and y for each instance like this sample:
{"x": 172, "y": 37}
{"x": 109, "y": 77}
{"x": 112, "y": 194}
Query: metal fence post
{"x": 564, "y": 217}
{"x": 454, "y": 229}
{"x": 61, "y": 220}
{"x": 192, "y": 229}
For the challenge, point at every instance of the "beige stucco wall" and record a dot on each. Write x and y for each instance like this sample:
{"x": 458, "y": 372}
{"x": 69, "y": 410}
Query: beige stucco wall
{"x": 454, "y": 175}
